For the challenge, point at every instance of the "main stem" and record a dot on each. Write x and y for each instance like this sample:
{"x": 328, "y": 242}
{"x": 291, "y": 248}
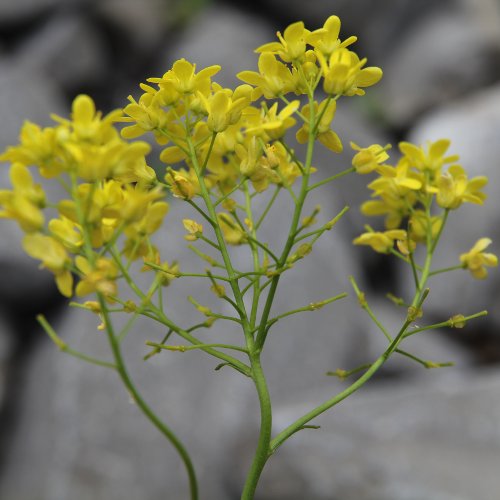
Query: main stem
{"x": 263, "y": 445}
{"x": 263, "y": 451}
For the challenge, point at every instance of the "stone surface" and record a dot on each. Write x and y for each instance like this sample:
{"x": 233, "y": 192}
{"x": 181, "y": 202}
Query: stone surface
{"x": 220, "y": 35}
{"x": 143, "y": 25}
{"x": 20, "y": 10}
{"x": 68, "y": 50}
{"x": 427, "y": 66}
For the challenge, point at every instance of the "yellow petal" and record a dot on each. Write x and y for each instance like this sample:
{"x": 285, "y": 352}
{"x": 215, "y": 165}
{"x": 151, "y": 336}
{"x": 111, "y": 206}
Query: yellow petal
{"x": 64, "y": 282}
{"x": 331, "y": 140}
{"x": 83, "y": 108}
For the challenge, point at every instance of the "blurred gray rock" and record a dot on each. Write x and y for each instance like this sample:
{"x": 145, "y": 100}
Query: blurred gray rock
{"x": 145, "y": 23}
{"x": 472, "y": 126}
{"x": 6, "y": 345}
{"x": 67, "y": 49}
{"x": 15, "y": 11}
{"x": 220, "y": 35}
{"x": 427, "y": 66}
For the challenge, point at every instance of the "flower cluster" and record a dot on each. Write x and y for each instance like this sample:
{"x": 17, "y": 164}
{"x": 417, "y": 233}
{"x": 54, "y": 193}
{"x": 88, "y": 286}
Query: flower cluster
{"x": 111, "y": 192}
{"x": 415, "y": 196}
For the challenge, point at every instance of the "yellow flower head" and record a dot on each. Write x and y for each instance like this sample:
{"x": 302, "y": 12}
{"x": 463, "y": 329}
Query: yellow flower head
{"x": 292, "y": 44}
{"x": 25, "y": 201}
{"x": 274, "y": 77}
{"x": 185, "y": 80}
{"x": 368, "y": 159}
{"x": 453, "y": 188}
{"x": 233, "y": 233}
{"x": 381, "y": 242}
{"x": 182, "y": 184}
{"x": 223, "y": 108}
{"x": 38, "y": 146}
{"x": 419, "y": 222}
{"x": 326, "y": 111}
{"x": 344, "y": 74}
{"x": 54, "y": 258}
{"x": 67, "y": 232}
{"x": 86, "y": 123}
{"x": 476, "y": 260}
{"x": 193, "y": 228}
{"x": 431, "y": 159}
{"x": 99, "y": 277}
{"x": 271, "y": 123}
{"x": 146, "y": 115}
{"x": 326, "y": 39}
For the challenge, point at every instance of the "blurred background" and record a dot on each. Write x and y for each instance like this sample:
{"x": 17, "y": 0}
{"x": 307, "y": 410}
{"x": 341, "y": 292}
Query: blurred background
{"x": 68, "y": 430}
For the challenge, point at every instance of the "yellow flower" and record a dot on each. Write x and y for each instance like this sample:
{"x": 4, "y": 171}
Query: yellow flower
{"x": 137, "y": 201}
{"x": 326, "y": 39}
{"x": 153, "y": 215}
{"x": 99, "y": 277}
{"x": 193, "y": 228}
{"x": 432, "y": 159}
{"x": 24, "y": 202}
{"x": 419, "y": 222}
{"x": 38, "y": 147}
{"x": 67, "y": 232}
{"x": 326, "y": 111}
{"x": 274, "y": 78}
{"x": 233, "y": 233}
{"x": 222, "y": 109}
{"x": 273, "y": 124}
{"x": 183, "y": 78}
{"x": 132, "y": 167}
{"x": 292, "y": 44}
{"x": 344, "y": 74}
{"x": 54, "y": 258}
{"x": 168, "y": 272}
{"x": 395, "y": 181}
{"x": 146, "y": 115}
{"x": 394, "y": 207}
{"x": 368, "y": 159}
{"x": 476, "y": 261}
{"x": 453, "y": 188}
{"x": 249, "y": 155}
{"x": 381, "y": 242}
{"x": 182, "y": 184}
{"x": 87, "y": 123}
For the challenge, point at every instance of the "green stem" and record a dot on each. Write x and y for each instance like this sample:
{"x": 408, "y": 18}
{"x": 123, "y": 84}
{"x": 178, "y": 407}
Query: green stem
{"x": 263, "y": 445}
{"x": 160, "y": 316}
{"x": 268, "y": 207}
{"x": 332, "y": 178}
{"x": 148, "y": 412}
{"x": 445, "y": 324}
{"x": 291, "y": 429}
{"x": 184, "y": 348}
{"x": 65, "y": 348}
{"x": 262, "y": 333}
